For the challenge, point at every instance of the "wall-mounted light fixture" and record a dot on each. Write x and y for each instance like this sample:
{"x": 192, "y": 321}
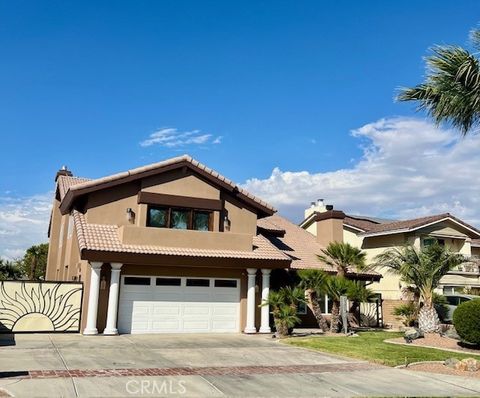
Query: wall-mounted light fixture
{"x": 130, "y": 215}
{"x": 226, "y": 224}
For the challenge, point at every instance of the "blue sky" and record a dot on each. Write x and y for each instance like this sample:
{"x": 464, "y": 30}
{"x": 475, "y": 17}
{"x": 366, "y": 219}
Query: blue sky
{"x": 246, "y": 87}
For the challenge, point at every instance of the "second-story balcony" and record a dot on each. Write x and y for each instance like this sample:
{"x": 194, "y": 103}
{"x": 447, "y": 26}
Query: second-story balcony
{"x": 470, "y": 267}
{"x": 167, "y": 237}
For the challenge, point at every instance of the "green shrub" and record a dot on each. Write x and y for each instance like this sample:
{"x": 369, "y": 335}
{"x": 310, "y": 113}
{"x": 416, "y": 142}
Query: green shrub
{"x": 408, "y": 311}
{"x": 466, "y": 319}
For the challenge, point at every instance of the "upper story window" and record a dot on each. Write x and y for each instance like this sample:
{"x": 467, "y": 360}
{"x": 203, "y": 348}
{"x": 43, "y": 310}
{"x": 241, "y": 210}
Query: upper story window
{"x": 430, "y": 241}
{"x": 177, "y": 218}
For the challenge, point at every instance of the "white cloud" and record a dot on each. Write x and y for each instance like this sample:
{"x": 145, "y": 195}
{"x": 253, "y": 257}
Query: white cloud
{"x": 217, "y": 140}
{"x": 409, "y": 168}
{"x": 23, "y": 222}
{"x": 171, "y": 138}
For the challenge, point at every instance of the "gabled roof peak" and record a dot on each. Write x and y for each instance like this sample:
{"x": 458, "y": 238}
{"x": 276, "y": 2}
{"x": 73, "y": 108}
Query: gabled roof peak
{"x": 88, "y": 186}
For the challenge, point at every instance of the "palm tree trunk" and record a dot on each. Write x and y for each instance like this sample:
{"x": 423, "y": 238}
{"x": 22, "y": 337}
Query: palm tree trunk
{"x": 335, "y": 317}
{"x": 281, "y": 327}
{"x": 428, "y": 321}
{"x": 33, "y": 268}
{"x": 317, "y": 311}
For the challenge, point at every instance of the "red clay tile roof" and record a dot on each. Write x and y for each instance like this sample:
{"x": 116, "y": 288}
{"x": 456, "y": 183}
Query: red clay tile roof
{"x": 64, "y": 183}
{"x": 413, "y": 224}
{"x": 359, "y": 223}
{"x": 301, "y": 246}
{"x": 92, "y": 185}
{"x": 102, "y": 237}
{"x": 268, "y": 225}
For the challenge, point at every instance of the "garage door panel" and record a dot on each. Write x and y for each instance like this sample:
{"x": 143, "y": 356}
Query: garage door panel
{"x": 199, "y": 325}
{"x": 164, "y": 310}
{"x": 223, "y": 310}
{"x": 179, "y": 309}
{"x": 202, "y": 309}
{"x": 166, "y": 325}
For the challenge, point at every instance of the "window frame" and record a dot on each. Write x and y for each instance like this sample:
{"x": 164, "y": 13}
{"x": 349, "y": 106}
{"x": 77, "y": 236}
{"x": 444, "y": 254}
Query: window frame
{"x": 190, "y": 217}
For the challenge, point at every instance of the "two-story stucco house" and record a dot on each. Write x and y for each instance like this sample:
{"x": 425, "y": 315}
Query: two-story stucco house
{"x": 374, "y": 235}
{"x": 170, "y": 247}
{"x": 173, "y": 247}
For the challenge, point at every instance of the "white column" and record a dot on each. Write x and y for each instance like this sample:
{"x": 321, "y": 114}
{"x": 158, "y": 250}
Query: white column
{"x": 91, "y": 327}
{"x": 265, "y": 314}
{"x": 111, "y": 327}
{"x": 250, "y": 327}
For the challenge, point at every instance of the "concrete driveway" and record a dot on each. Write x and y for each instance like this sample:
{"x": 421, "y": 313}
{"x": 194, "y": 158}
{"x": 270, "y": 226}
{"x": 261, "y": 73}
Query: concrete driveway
{"x": 44, "y": 365}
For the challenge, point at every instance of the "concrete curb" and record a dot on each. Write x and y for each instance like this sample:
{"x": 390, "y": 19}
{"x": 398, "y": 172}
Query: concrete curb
{"x": 431, "y": 346}
{"x": 417, "y": 363}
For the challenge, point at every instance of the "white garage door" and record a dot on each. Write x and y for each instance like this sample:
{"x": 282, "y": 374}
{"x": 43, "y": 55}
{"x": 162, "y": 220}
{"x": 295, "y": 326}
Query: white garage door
{"x": 178, "y": 305}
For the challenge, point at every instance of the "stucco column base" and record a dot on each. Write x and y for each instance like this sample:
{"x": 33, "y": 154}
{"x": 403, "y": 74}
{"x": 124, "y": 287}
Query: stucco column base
{"x": 90, "y": 332}
{"x": 265, "y": 330}
{"x": 110, "y": 332}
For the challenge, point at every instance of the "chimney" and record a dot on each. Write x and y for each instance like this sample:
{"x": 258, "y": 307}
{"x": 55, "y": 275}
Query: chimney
{"x": 63, "y": 172}
{"x": 326, "y": 225}
{"x": 316, "y": 207}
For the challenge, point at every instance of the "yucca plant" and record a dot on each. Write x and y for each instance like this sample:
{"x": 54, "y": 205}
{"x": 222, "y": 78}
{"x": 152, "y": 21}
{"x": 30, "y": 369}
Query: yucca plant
{"x": 424, "y": 269}
{"x": 312, "y": 282}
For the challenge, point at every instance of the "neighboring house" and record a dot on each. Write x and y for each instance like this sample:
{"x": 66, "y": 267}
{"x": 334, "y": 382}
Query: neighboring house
{"x": 170, "y": 247}
{"x": 303, "y": 248}
{"x": 375, "y": 235}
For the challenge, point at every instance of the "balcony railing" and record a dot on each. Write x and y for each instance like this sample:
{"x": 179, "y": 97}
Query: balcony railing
{"x": 166, "y": 237}
{"x": 472, "y": 266}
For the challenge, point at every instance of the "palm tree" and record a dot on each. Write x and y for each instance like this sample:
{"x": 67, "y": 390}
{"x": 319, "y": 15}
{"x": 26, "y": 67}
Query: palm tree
{"x": 422, "y": 268}
{"x": 312, "y": 282}
{"x": 357, "y": 293}
{"x": 451, "y": 90}
{"x": 292, "y": 296}
{"x": 336, "y": 287}
{"x": 34, "y": 259}
{"x": 283, "y": 305}
{"x": 343, "y": 257}
{"x": 9, "y": 270}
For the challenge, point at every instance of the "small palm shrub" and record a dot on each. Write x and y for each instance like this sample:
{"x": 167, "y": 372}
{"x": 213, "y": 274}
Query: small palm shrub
{"x": 408, "y": 312}
{"x": 466, "y": 319}
{"x": 283, "y": 304}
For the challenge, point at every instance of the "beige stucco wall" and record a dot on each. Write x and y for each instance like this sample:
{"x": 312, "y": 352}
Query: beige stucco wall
{"x": 177, "y": 183}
